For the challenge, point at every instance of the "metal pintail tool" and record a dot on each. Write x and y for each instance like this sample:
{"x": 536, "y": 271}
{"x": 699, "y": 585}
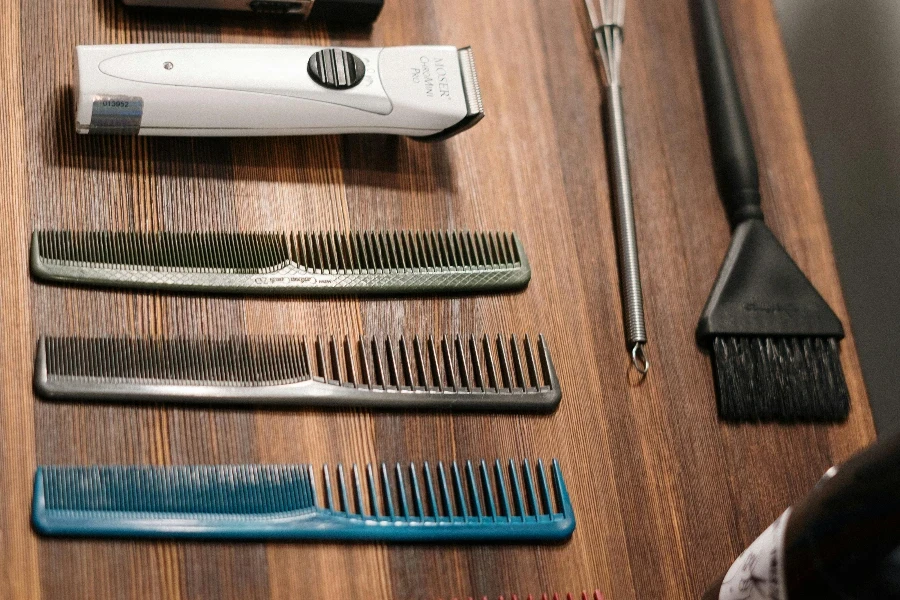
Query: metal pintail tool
{"x": 607, "y": 23}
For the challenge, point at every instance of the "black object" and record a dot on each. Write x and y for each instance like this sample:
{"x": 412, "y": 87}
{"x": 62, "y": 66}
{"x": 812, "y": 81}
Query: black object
{"x": 340, "y": 12}
{"x": 772, "y": 336}
{"x": 355, "y": 12}
{"x": 336, "y": 69}
{"x": 841, "y": 541}
{"x": 276, "y": 7}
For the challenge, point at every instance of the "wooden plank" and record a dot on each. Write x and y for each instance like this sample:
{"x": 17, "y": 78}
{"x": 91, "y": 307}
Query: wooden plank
{"x": 665, "y": 495}
{"x": 18, "y": 546}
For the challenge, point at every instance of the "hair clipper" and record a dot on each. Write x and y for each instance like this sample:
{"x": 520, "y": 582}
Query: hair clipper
{"x": 427, "y": 92}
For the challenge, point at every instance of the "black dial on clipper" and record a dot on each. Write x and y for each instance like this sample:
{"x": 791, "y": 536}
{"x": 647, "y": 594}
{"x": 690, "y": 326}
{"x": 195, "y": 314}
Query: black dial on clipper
{"x": 336, "y": 69}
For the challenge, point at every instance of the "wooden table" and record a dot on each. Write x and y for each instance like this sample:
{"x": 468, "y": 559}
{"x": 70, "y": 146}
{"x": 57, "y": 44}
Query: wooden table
{"x": 665, "y": 495}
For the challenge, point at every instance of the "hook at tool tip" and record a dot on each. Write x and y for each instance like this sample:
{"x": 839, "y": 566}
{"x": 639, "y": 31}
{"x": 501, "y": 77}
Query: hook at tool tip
{"x": 639, "y": 358}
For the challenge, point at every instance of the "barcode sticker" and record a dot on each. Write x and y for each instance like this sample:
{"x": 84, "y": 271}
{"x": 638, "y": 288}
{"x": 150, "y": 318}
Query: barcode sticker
{"x": 117, "y": 114}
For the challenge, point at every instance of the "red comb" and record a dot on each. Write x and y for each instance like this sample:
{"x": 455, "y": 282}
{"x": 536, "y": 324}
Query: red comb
{"x": 597, "y": 595}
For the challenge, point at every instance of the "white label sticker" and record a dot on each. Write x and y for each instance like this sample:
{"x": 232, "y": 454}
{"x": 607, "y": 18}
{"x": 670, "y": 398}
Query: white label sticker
{"x": 117, "y": 114}
{"x": 758, "y": 573}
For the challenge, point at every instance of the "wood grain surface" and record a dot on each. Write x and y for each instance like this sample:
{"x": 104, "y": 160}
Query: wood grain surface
{"x": 665, "y": 495}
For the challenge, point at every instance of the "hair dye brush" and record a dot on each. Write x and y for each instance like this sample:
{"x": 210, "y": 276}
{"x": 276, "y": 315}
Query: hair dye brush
{"x": 774, "y": 340}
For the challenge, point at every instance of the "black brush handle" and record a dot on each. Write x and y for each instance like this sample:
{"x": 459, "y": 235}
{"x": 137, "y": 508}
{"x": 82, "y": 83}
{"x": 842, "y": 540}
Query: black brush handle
{"x": 732, "y": 146}
{"x": 347, "y": 12}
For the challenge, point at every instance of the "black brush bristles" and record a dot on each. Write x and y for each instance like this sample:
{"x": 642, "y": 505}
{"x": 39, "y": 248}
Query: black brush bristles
{"x": 779, "y": 379}
{"x": 367, "y": 262}
{"x": 458, "y": 372}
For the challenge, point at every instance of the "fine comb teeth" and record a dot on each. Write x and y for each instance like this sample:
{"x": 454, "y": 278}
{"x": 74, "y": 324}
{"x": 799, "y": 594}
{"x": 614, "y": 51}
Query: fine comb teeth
{"x": 462, "y": 373}
{"x": 400, "y": 504}
{"x": 387, "y": 262}
{"x": 596, "y": 595}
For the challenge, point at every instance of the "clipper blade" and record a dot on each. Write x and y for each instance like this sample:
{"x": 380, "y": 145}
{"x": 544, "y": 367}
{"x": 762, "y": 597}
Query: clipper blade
{"x": 281, "y": 502}
{"x": 472, "y": 92}
{"x": 458, "y": 373}
{"x": 398, "y": 262}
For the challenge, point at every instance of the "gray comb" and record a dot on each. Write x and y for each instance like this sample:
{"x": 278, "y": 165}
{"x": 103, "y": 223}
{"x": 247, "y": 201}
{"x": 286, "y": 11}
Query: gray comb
{"x": 284, "y": 263}
{"x": 463, "y": 373}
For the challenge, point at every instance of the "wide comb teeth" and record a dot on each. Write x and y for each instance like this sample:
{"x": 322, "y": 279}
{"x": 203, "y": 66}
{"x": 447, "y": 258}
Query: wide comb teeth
{"x": 475, "y": 502}
{"x": 597, "y": 595}
{"x": 300, "y": 262}
{"x": 452, "y": 494}
{"x": 461, "y": 372}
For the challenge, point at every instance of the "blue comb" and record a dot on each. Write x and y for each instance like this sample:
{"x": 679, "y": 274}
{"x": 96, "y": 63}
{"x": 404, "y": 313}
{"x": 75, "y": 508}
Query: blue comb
{"x": 281, "y": 502}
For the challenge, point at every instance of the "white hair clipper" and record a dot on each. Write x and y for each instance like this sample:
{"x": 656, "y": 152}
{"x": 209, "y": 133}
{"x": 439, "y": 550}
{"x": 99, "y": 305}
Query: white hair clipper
{"x": 427, "y": 92}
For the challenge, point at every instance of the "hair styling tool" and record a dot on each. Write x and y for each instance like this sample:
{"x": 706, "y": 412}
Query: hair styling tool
{"x": 428, "y": 92}
{"x": 774, "y": 340}
{"x": 351, "y": 12}
{"x": 462, "y": 373}
{"x": 607, "y": 24}
{"x": 282, "y": 502}
{"x": 387, "y": 262}
{"x": 555, "y": 596}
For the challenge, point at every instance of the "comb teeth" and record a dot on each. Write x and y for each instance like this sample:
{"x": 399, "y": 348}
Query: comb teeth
{"x": 596, "y": 595}
{"x": 236, "y": 252}
{"x": 473, "y": 502}
{"x": 404, "y": 250}
{"x": 458, "y": 372}
{"x": 229, "y": 489}
{"x": 321, "y": 262}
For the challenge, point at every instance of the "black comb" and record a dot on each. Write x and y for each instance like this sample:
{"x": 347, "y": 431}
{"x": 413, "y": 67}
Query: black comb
{"x": 475, "y": 503}
{"x": 387, "y": 262}
{"x": 465, "y": 373}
